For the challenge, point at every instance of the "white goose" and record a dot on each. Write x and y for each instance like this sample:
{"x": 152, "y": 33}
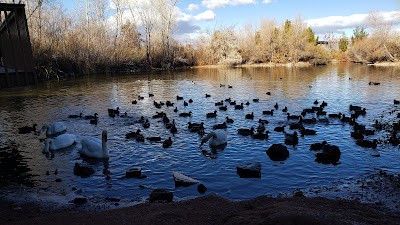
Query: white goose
{"x": 53, "y": 129}
{"x": 62, "y": 141}
{"x": 218, "y": 138}
{"x": 95, "y": 148}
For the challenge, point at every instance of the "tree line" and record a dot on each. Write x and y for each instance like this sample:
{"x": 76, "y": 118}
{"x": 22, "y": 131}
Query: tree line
{"x": 81, "y": 41}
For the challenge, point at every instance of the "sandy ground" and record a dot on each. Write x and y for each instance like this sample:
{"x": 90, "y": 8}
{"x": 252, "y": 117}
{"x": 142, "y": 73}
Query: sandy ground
{"x": 210, "y": 210}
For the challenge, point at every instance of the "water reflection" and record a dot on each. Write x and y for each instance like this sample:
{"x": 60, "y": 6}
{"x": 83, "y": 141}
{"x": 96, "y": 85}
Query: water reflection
{"x": 295, "y": 88}
{"x": 14, "y": 169}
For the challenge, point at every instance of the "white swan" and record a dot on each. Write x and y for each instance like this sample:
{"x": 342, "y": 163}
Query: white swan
{"x": 53, "y": 129}
{"x": 95, "y": 148}
{"x": 62, "y": 141}
{"x": 218, "y": 137}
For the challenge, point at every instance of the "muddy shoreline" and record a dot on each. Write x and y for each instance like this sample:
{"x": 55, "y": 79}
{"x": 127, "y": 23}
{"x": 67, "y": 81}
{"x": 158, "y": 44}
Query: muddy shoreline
{"x": 210, "y": 209}
{"x": 373, "y": 199}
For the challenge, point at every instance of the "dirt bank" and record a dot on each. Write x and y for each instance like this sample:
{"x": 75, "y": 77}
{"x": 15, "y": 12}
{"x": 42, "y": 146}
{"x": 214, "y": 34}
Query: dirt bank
{"x": 211, "y": 210}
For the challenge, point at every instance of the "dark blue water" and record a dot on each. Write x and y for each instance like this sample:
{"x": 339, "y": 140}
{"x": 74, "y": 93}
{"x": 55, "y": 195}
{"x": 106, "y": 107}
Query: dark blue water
{"x": 296, "y": 88}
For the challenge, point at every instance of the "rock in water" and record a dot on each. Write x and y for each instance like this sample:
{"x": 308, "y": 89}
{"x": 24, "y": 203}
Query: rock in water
{"x": 135, "y": 172}
{"x": 330, "y": 155}
{"x": 201, "y": 188}
{"x": 249, "y": 170}
{"x": 183, "y": 180}
{"x": 161, "y": 195}
{"x": 278, "y": 152}
{"x": 83, "y": 171}
{"x": 80, "y": 200}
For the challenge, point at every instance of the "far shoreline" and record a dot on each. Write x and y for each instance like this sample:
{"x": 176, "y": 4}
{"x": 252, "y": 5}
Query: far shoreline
{"x": 289, "y": 65}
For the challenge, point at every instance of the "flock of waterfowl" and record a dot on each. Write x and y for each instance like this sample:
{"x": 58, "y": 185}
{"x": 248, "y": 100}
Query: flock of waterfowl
{"x": 300, "y": 124}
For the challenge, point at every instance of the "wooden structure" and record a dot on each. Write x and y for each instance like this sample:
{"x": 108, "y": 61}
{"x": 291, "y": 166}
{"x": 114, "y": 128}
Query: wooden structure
{"x": 17, "y": 67}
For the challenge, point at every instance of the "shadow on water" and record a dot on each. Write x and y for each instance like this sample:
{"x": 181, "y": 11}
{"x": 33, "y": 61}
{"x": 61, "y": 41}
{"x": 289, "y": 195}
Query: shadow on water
{"x": 13, "y": 167}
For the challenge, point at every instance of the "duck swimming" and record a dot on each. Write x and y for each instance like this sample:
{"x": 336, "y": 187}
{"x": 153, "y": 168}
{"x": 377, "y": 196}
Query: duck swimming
{"x": 167, "y": 143}
{"x": 75, "y": 116}
{"x": 246, "y": 132}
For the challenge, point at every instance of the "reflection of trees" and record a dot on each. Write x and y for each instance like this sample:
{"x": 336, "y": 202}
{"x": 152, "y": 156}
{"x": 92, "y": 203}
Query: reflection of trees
{"x": 372, "y": 72}
{"x": 259, "y": 80}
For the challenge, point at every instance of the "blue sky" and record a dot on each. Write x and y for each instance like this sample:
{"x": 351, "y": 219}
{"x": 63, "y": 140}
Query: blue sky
{"x": 323, "y": 16}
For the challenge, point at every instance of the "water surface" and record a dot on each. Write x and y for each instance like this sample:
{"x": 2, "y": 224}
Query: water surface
{"x": 297, "y": 88}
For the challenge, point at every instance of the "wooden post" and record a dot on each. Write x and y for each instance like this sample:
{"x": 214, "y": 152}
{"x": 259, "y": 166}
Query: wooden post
{"x": 16, "y": 19}
{"x": 8, "y": 84}
{"x": 10, "y": 43}
{"x": 29, "y": 47}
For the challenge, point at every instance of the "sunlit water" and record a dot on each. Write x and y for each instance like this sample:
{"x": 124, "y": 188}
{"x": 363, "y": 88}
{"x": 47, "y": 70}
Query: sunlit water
{"x": 296, "y": 88}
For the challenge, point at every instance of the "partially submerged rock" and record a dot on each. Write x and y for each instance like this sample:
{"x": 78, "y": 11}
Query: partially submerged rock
{"x": 161, "y": 195}
{"x": 183, "y": 180}
{"x": 134, "y": 173}
{"x": 83, "y": 171}
{"x": 249, "y": 170}
{"x": 330, "y": 155}
{"x": 80, "y": 200}
{"x": 278, "y": 152}
{"x": 201, "y": 188}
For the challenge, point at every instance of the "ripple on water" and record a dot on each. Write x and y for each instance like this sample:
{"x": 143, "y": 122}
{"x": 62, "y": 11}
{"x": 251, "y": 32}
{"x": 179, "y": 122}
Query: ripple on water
{"x": 298, "y": 89}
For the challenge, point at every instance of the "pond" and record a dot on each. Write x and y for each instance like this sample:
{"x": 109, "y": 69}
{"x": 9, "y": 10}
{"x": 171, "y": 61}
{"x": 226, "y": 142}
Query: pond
{"x": 25, "y": 169}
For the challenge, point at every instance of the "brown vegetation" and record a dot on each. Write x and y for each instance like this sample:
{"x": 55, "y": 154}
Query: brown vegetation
{"x": 84, "y": 40}
{"x": 382, "y": 45}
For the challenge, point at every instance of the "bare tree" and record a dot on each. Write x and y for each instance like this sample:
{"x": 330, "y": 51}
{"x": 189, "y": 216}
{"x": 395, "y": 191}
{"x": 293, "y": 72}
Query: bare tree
{"x": 226, "y": 47}
{"x": 266, "y": 41}
{"x": 381, "y": 32}
{"x": 147, "y": 17}
{"x": 119, "y": 4}
{"x": 167, "y": 23}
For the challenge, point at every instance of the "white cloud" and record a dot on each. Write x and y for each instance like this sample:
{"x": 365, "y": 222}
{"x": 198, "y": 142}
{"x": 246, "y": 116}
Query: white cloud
{"x": 181, "y": 16}
{"x": 267, "y": 1}
{"x": 214, "y": 4}
{"x": 192, "y": 7}
{"x": 338, "y": 24}
{"x": 207, "y": 15}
